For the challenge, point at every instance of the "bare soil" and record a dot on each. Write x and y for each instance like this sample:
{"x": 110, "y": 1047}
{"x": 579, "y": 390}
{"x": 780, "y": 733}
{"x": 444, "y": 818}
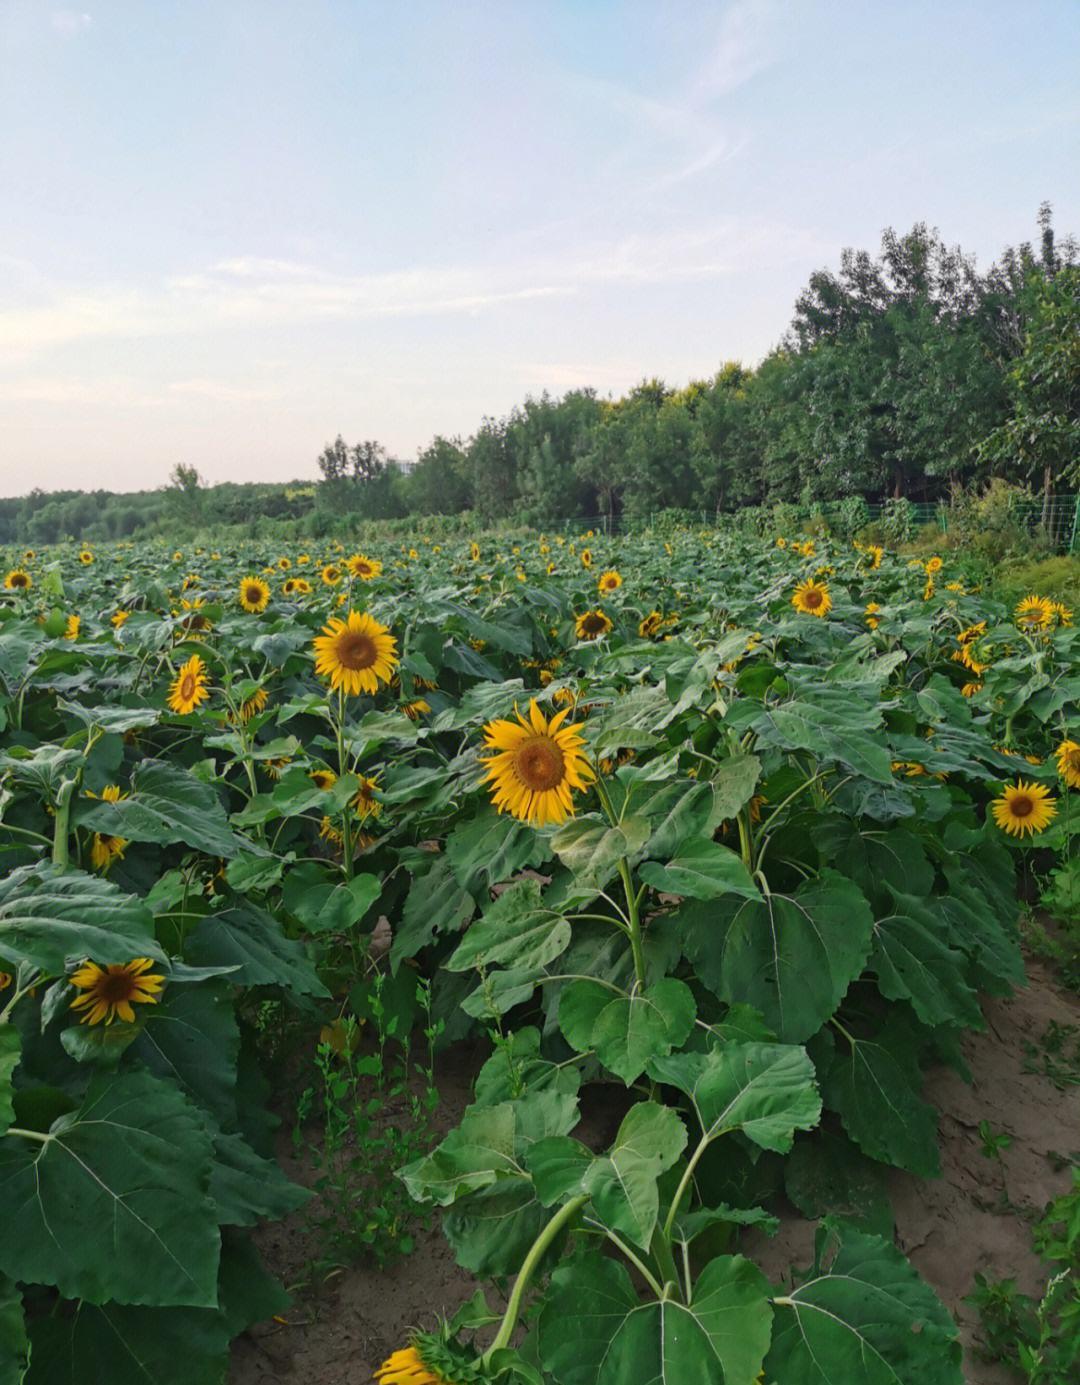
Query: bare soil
{"x": 976, "y": 1217}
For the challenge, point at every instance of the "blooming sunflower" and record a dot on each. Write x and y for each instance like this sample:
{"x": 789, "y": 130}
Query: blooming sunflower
{"x": 331, "y": 574}
{"x": 189, "y": 688}
{"x": 812, "y": 599}
{"x": 1034, "y": 612}
{"x": 474, "y": 552}
{"x": 650, "y": 624}
{"x": 610, "y": 581}
{"x": 357, "y": 654}
{"x": 586, "y": 557}
{"x": 1024, "y": 808}
{"x": 1062, "y": 613}
{"x": 323, "y": 778}
{"x": 366, "y": 804}
{"x": 111, "y": 991}
{"x": 117, "y": 618}
{"x": 534, "y": 766}
{"x": 253, "y": 705}
{"x": 360, "y": 565}
{"x": 86, "y": 557}
{"x": 875, "y": 553}
{"x": 284, "y": 564}
{"x": 1068, "y": 762}
{"x": 871, "y": 614}
{"x": 106, "y": 849}
{"x": 18, "y": 580}
{"x": 254, "y": 595}
{"x": 417, "y": 708}
{"x": 71, "y": 629}
{"x": 934, "y": 565}
{"x": 592, "y": 625}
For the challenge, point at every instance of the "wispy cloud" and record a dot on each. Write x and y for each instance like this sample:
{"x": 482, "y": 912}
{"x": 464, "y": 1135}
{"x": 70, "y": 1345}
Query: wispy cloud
{"x": 69, "y": 23}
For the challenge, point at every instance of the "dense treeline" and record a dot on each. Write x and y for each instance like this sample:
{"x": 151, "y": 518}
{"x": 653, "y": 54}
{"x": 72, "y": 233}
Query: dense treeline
{"x": 909, "y": 373}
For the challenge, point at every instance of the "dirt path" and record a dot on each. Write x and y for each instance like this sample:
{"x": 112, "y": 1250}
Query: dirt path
{"x": 976, "y": 1217}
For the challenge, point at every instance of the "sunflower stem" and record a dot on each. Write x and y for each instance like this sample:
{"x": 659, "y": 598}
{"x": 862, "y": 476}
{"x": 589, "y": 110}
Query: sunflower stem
{"x": 537, "y": 1251}
{"x": 60, "y": 829}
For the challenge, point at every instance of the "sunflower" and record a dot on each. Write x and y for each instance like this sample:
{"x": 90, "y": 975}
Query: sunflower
{"x": 360, "y": 565}
{"x": 330, "y": 833}
{"x": 534, "y": 765}
{"x": 365, "y": 802}
{"x": 592, "y": 625}
{"x": 871, "y": 614}
{"x": 933, "y": 565}
{"x": 970, "y": 689}
{"x": 6, "y": 980}
{"x": 323, "y": 778}
{"x": 586, "y": 557}
{"x": 357, "y": 654}
{"x": 284, "y": 564}
{"x": 288, "y": 587}
{"x": 254, "y": 595}
{"x": 117, "y": 619}
{"x": 71, "y": 629}
{"x": 331, "y": 574}
{"x": 649, "y": 626}
{"x": 86, "y": 557}
{"x": 106, "y": 849}
{"x": 1034, "y": 612}
{"x": 875, "y": 553}
{"x": 303, "y": 559}
{"x": 302, "y": 587}
{"x": 1062, "y": 613}
{"x": 1024, "y": 808}
{"x": 474, "y": 552}
{"x": 253, "y": 705}
{"x": 812, "y": 599}
{"x": 194, "y": 620}
{"x": 189, "y": 688}
{"x": 111, "y": 991}
{"x": 417, "y": 708}
{"x": 781, "y": 543}
{"x": 18, "y": 580}
{"x": 407, "y": 1367}
{"x": 609, "y": 582}
{"x": 1068, "y": 763}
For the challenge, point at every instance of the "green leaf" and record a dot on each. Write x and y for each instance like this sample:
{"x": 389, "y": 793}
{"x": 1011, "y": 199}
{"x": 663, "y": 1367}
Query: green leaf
{"x": 435, "y": 904}
{"x": 864, "y": 1315}
{"x": 595, "y": 1331}
{"x": 876, "y": 1094}
{"x": 133, "y": 1159}
{"x": 703, "y": 870}
{"x": 13, "y": 1340}
{"x": 914, "y": 964}
{"x": 140, "y": 1346}
{"x": 323, "y": 902}
{"x": 491, "y": 848}
{"x": 558, "y": 1165}
{"x": 592, "y": 850}
{"x": 49, "y": 917}
{"x": 246, "y": 1187}
{"x": 516, "y": 1066}
{"x": 192, "y": 1039}
{"x": 167, "y": 804}
{"x": 627, "y": 1030}
{"x": 622, "y": 1183}
{"x": 874, "y": 857}
{"x": 733, "y": 784}
{"x": 104, "y": 1044}
{"x": 675, "y": 808}
{"x": 519, "y": 930}
{"x": 10, "y": 1052}
{"x": 252, "y": 940}
{"x": 832, "y": 734}
{"x": 766, "y": 1091}
{"x": 113, "y": 719}
{"x": 792, "y": 957}
{"x": 826, "y": 1174}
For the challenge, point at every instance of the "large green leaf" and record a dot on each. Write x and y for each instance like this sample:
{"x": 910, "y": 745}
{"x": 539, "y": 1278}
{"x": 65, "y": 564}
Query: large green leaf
{"x": 594, "y": 1330}
{"x": 435, "y": 904}
{"x": 592, "y": 849}
{"x": 111, "y": 1203}
{"x": 864, "y": 1315}
{"x": 167, "y": 804}
{"x": 825, "y": 1174}
{"x": 703, "y": 869}
{"x": 13, "y": 1341}
{"x": 491, "y": 848}
{"x": 734, "y": 782}
{"x": 914, "y": 964}
{"x": 10, "y": 1046}
{"x": 766, "y": 1091}
{"x": 833, "y": 734}
{"x": 792, "y": 957}
{"x": 518, "y": 930}
{"x": 49, "y": 917}
{"x": 627, "y": 1030}
{"x": 246, "y": 1187}
{"x": 622, "y": 1183}
{"x": 875, "y": 857}
{"x": 140, "y": 1346}
{"x": 191, "y": 1038}
{"x": 252, "y": 940}
{"x": 323, "y": 902}
{"x": 875, "y": 1091}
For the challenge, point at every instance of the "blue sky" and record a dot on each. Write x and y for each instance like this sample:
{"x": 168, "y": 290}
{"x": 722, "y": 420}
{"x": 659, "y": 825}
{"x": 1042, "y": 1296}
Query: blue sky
{"x": 230, "y": 229}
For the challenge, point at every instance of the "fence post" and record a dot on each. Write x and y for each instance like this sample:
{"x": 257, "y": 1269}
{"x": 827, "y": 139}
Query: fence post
{"x": 1075, "y": 525}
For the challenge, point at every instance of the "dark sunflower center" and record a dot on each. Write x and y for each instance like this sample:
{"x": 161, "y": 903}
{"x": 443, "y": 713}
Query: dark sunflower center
{"x": 356, "y": 651}
{"x": 187, "y": 687}
{"x": 593, "y": 624}
{"x": 364, "y": 569}
{"x": 254, "y": 594}
{"x": 1021, "y": 806}
{"x": 540, "y": 765}
{"x": 812, "y": 599}
{"x": 116, "y": 986}
{"x": 18, "y": 580}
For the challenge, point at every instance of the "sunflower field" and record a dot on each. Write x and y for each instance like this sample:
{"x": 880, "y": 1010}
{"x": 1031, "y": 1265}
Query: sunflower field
{"x": 725, "y": 834}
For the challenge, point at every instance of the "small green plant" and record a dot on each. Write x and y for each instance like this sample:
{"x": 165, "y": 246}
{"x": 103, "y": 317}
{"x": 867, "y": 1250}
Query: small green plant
{"x": 993, "y": 1141}
{"x": 1056, "y": 1056}
{"x": 375, "y": 1102}
{"x": 1039, "y": 1338}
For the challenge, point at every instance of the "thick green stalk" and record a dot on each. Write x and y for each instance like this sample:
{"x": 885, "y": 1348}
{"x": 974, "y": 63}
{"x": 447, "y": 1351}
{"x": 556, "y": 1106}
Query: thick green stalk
{"x": 537, "y": 1250}
{"x": 60, "y": 827}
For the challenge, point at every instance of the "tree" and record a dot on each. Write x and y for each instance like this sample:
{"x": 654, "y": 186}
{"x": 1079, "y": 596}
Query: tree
{"x": 184, "y": 493}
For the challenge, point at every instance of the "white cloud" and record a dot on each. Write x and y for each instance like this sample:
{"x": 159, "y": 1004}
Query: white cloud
{"x": 68, "y": 23}
{"x": 221, "y": 393}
